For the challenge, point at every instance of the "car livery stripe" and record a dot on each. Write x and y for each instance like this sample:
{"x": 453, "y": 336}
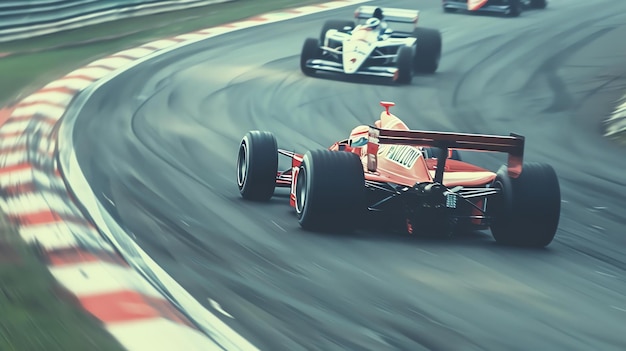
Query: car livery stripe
{"x": 474, "y": 5}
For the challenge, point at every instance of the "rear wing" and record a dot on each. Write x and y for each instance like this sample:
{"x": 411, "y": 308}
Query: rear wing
{"x": 390, "y": 14}
{"x": 512, "y": 144}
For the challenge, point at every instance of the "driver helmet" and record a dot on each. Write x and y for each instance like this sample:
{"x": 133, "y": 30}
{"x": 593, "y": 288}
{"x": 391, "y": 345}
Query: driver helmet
{"x": 359, "y": 136}
{"x": 378, "y": 13}
{"x": 372, "y": 23}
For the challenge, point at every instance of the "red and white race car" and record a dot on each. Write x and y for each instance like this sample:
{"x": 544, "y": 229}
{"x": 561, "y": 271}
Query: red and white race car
{"x": 511, "y": 8}
{"x": 415, "y": 180}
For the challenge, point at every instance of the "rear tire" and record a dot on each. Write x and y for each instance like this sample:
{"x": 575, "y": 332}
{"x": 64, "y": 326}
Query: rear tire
{"x": 427, "y": 50}
{"x": 538, "y": 4}
{"x": 257, "y": 165}
{"x": 334, "y": 24}
{"x": 527, "y": 211}
{"x": 516, "y": 8}
{"x": 405, "y": 65}
{"x": 330, "y": 191}
{"x": 310, "y": 50}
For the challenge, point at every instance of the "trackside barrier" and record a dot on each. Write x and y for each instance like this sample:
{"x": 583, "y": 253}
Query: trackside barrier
{"x": 616, "y": 123}
{"x": 26, "y": 19}
{"x": 44, "y": 192}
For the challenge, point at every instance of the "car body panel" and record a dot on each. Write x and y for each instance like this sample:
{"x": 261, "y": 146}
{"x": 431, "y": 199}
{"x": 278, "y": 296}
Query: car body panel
{"x": 358, "y": 48}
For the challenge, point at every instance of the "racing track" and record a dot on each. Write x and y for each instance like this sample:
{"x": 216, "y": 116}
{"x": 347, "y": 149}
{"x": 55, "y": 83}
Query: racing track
{"x": 160, "y": 144}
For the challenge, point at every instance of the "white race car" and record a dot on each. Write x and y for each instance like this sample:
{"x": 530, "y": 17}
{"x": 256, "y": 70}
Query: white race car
{"x": 368, "y": 47}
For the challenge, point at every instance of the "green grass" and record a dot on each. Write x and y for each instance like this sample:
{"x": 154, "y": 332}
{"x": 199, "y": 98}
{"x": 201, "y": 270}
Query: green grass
{"x": 33, "y": 315}
{"x": 43, "y": 59}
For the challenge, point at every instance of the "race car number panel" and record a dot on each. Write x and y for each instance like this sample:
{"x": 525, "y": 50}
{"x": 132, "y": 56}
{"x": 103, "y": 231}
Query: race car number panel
{"x": 404, "y": 155}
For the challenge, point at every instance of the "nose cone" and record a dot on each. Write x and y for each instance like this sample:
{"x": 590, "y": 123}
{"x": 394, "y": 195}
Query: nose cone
{"x": 351, "y": 63}
{"x": 354, "y": 54}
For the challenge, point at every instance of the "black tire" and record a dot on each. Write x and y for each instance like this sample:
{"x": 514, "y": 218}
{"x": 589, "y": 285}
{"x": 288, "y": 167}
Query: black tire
{"x": 405, "y": 65}
{"x": 334, "y": 24}
{"x": 538, "y": 4}
{"x": 257, "y": 165}
{"x": 427, "y": 50}
{"x": 516, "y": 8}
{"x": 330, "y": 191}
{"x": 527, "y": 211}
{"x": 433, "y": 152}
{"x": 310, "y": 50}
{"x": 448, "y": 10}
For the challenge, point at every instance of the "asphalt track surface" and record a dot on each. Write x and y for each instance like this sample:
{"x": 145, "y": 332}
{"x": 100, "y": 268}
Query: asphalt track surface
{"x": 159, "y": 143}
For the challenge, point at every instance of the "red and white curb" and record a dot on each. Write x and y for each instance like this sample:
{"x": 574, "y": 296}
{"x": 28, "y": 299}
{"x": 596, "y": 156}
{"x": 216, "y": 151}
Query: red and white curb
{"x": 87, "y": 264}
{"x": 616, "y": 123}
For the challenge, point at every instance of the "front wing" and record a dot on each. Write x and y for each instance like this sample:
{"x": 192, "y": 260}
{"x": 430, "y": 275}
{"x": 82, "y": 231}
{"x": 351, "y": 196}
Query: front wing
{"x": 334, "y": 66}
{"x": 332, "y": 61}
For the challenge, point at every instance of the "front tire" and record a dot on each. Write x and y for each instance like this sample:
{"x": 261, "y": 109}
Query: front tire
{"x": 330, "y": 190}
{"x": 404, "y": 75}
{"x": 538, "y": 4}
{"x": 257, "y": 165}
{"x": 527, "y": 210}
{"x": 516, "y": 8}
{"x": 427, "y": 50}
{"x": 310, "y": 50}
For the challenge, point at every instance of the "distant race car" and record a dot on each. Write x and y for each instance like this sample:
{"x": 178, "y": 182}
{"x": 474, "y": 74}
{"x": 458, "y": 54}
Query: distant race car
{"x": 512, "y": 8}
{"x": 370, "y": 47}
{"x": 410, "y": 180}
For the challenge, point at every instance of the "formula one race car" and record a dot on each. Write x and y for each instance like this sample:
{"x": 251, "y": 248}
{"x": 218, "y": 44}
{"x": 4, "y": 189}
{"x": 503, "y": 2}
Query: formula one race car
{"x": 411, "y": 180}
{"x": 372, "y": 48}
{"x": 512, "y": 8}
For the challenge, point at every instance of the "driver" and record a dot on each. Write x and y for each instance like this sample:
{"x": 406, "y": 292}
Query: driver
{"x": 382, "y": 27}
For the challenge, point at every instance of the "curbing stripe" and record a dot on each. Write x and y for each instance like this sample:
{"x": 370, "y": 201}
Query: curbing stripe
{"x": 127, "y": 306}
{"x": 15, "y": 168}
{"x": 72, "y": 83}
{"x": 97, "y": 278}
{"x": 160, "y": 44}
{"x": 15, "y": 124}
{"x": 52, "y": 112}
{"x": 17, "y": 189}
{"x": 12, "y": 134}
{"x": 53, "y": 97}
{"x": 65, "y": 235}
{"x": 12, "y": 140}
{"x": 74, "y": 254}
{"x": 91, "y": 72}
{"x": 13, "y": 160}
{"x": 141, "y": 336}
{"x": 34, "y": 204}
{"x": 35, "y": 218}
{"x": 18, "y": 148}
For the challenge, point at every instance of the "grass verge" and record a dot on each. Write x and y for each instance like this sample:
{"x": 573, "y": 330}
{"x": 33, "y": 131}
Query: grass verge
{"x": 35, "y": 62}
{"x": 34, "y": 313}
